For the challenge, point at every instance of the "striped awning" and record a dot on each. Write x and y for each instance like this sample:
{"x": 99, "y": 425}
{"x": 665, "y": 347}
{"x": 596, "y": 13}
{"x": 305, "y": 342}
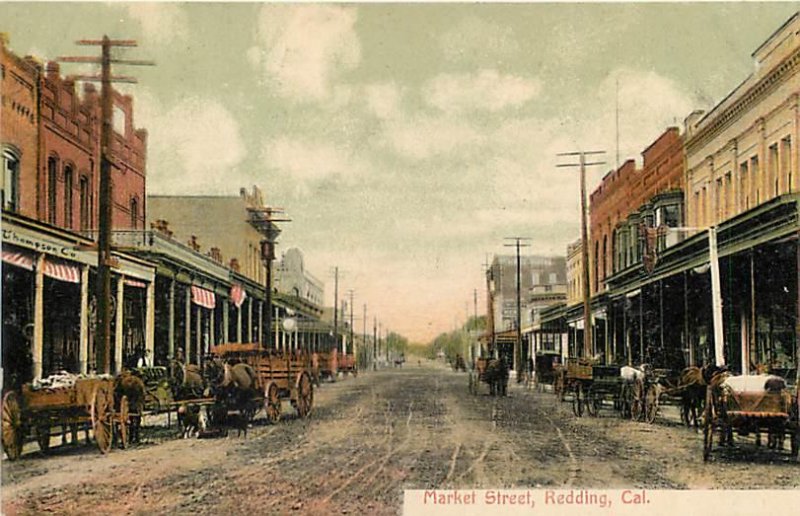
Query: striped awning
{"x": 135, "y": 283}
{"x": 238, "y": 295}
{"x": 18, "y": 258}
{"x": 203, "y": 297}
{"x": 61, "y": 270}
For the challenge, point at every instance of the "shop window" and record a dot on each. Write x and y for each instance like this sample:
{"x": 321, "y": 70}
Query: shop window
{"x": 52, "y": 182}
{"x": 10, "y": 192}
{"x": 68, "y": 197}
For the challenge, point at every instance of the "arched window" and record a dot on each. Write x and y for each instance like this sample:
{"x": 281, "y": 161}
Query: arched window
{"x": 605, "y": 256}
{"x": 10, "y": 192}
{"x": 52, "y": 182}
{"x": 596, "y": 253}
{"x": 614, "y": 247}
{"x": 68, "y": 196}
{"x": 84, "y": 202}
{"x": 134, "y": 212}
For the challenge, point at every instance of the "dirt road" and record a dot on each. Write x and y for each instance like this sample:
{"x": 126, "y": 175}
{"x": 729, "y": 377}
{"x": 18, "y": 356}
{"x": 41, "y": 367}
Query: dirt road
{"x": 368, "y": 439}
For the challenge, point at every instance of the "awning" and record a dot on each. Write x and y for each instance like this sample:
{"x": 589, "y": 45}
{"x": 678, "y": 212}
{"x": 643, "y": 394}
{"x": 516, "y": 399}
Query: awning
{"x": 135, "y": 283}
{"x": 18, "y": 258}
{"x": 203, "y": 297}
{"x": 238, "y": 295}
{"x": 62, "y": 271}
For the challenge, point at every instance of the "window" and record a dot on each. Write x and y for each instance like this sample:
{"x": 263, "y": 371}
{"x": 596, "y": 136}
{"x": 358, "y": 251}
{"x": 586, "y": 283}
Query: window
{"x": 744, "y": 188}
{"x": 728, "y": 201}
{"x": 134, "y": 212}
{"x": 596, "y": 252}
{"x": 84, "y": 200}
{"x": 614, "y": 247}
{"x": 786, "y": 162}
{"x": 553, "y": 278}
{"x": 718, "y": 200}
{"x": 52, "y": 182}
{"x": 605, "y": 256}
{"x": 68, "y": 197}
{"x": 10, "y": 192}
{"x": 754, "y": 173}
{"x": 773, "y": 168}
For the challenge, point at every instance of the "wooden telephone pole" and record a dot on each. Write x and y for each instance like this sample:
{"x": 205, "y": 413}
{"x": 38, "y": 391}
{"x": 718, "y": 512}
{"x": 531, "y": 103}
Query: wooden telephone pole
{"x": 587, "y": 311}
{"x": 518, "y": 355}
{"x": 104, "y": 258}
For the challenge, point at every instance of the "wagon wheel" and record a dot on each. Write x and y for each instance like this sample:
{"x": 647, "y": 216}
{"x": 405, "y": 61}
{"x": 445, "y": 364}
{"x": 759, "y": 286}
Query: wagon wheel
{"x": 43, "y": 436}
{"x": 638, "y": 400}
{"x": 578, "y": 400}
{"x": 272, "y": 403}
{"x": 123, "y": 422}
{"x": 651, "y": 403}
{"x": 708, "y": 425}
{"x": 13, "y": 430}
{"x": 102, "y": 412}
{"x": 305, "y": 395}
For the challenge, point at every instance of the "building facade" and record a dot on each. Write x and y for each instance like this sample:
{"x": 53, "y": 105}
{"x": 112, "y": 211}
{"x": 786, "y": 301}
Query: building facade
{"x": 292, "y": 278}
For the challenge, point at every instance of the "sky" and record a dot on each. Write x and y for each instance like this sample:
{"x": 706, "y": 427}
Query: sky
{"x": 406, "y": 141}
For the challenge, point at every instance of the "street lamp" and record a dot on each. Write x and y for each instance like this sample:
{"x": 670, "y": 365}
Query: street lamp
{"x": 268, "y": 255}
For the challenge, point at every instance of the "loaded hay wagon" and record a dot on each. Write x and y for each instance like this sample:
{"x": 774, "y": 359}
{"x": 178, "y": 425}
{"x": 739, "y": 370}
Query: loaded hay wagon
{"x": 279, "y": 376}
{"x": 85, "y": 401}
{"x": 750, "y": 404}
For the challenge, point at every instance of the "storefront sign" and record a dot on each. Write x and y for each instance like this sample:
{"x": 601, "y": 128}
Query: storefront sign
{"x": 43, "y": 246}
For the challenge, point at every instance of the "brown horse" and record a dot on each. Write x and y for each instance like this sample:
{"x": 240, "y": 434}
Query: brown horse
{"x": 130, "y": 385}
{"x": 692, "y": 387}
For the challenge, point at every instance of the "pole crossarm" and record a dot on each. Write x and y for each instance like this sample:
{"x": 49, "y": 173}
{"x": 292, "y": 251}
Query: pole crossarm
{"x": 109, "y": 42}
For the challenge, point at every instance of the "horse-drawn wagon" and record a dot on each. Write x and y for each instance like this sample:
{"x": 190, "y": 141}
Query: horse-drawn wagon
{"x": 750, "y": 404}
{"x": 491, "y": 371}
{"x": 277, "y": 376}
{"x": 80, "y": 401}
{"x": 546, "y": 370}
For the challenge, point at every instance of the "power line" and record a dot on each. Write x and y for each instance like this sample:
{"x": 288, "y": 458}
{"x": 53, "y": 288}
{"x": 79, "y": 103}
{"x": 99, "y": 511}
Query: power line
{"x": 587, "y": 313}
{"x": 104, "y": 258}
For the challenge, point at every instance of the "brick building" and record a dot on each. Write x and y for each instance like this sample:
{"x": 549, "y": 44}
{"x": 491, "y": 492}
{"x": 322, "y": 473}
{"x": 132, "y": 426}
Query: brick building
{"x": 51, "y": 149}
{"x": 616, "y": 203}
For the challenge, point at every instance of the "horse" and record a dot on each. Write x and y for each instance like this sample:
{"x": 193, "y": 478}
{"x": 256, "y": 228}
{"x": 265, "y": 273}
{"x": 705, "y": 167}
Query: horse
{"x": 692, "y": 386}
{"x": 187, "y": 380}
{"x": 496, "y": 375}
{"x": 129, "y": 385}
{"x": 233, "y": 386}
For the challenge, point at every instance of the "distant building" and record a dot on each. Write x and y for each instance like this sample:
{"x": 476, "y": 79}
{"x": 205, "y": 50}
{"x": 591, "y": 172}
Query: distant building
{"x": 537, "y": 275}
{"x": 227, "y": 227}
{"x": 292, "y": 278}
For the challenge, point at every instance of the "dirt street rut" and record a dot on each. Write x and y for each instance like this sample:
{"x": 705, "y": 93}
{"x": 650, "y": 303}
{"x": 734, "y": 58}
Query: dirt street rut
{"x": 369, "y": 438}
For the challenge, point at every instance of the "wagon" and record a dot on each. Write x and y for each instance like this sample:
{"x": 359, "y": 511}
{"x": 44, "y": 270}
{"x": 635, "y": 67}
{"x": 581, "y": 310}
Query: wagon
{"x": 546, "y": 370}
{"x": 489, "y": 371}
{"x": 577, "y": 380}
{"x": 774, "y": 412}
{"x": 607, "y": 386}
{"x": 347, "y": 364}
{"x": 158, "y": 394}
{"x": 279, "y": 376}
{"x": 88, "y": 401}
{"x": 328, "y": 364}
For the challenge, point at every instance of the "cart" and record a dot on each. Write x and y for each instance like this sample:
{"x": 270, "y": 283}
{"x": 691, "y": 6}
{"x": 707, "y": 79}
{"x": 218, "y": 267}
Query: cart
{"x": 607, "y": 386}
{"x": 772, "y": 411}
{"x": 546, "y": 370}
{"x": 279, "y": 376}
{"x": 577, "y": 380}
{"x": 88, "y": 401}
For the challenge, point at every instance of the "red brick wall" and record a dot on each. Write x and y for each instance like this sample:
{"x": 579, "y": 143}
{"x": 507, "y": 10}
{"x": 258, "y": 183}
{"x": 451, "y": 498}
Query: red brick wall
{"x": 18, "y": 130}
{"x": 624, "y": 191}
{"x": 69, "y": 133}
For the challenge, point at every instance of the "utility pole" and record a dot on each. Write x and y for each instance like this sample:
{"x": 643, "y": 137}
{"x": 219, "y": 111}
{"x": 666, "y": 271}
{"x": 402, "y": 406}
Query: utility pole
{"x": 518, "y": 358}
{"x": 374, "y": 343}
{"x": 352, "y": 343}
{"x": 489, "y": 306}
{"x": 271, "y": 231}
{"x": 365, "y": 330}
{"x": 336, "y": 307}
{"x": 379, "y": 337}
{"x": 104, "y": 258}
{"x": 587, "y": 312}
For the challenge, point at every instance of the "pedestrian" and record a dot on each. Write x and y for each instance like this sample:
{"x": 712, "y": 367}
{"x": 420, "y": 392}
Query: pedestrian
{"x": 145, "y": 360}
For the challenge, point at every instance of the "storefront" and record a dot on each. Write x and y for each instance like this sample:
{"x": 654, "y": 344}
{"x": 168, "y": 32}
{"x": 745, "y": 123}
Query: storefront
{"x": 49, "y": 300}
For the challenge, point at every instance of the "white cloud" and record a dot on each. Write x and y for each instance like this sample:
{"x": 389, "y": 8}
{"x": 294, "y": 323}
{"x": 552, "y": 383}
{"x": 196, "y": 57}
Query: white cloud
{"x": 383, "y": 99}
{"x": 306, "y": 161}
{"x": 301, "y": 48}
{"x": 160, "y": 22}
{"x": 495, "y": 42}
{"x": 420, "y": 138}
{"x": 194, "y": 146}
{"x": 486, "y": 90}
